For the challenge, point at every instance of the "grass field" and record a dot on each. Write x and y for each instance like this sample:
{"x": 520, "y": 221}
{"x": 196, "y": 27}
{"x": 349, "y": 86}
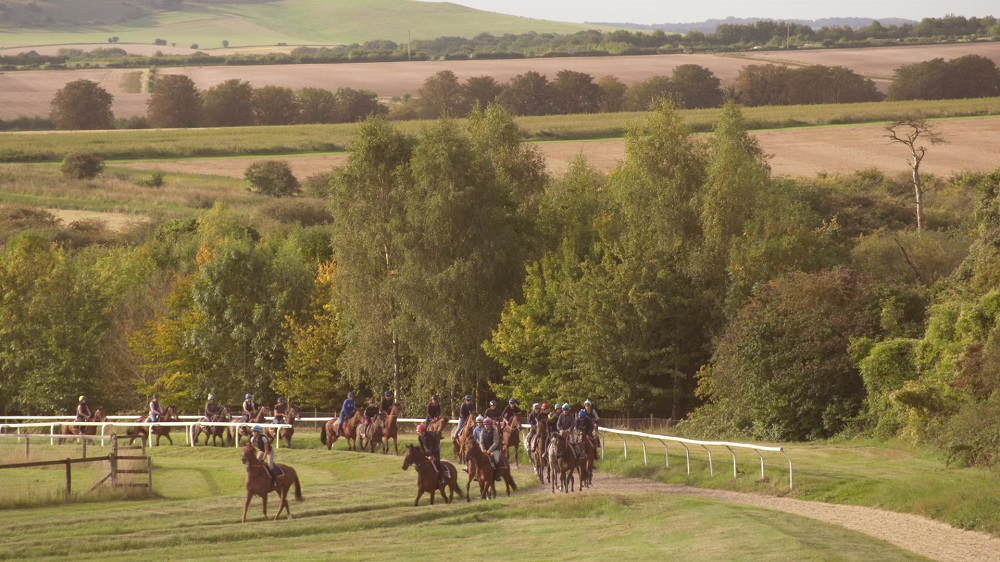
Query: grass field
{"x": 295, "y": 22}
{"x": 359, "y": 504}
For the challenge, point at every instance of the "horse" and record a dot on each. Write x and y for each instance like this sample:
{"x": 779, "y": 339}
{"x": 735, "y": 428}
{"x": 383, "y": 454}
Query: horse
{"x": 562, "y": 461}
{"x": 462, "y": 438}
{"x": 216, "y": 432}
{"x": 374, "y": 433}
{"x": 259, "y": 416}
{"x": 537, "y": 456}
{"x": 392, "y": 429}
{"x": 259, "y": 483}
{"x": 329, "y": 435}
{"x": 70, "y": 429}
{"x": 141, "y": 432}
{"x": 512, "y": 436}
{"x": 437, "y": 425}
{"x": 286, "y": 433}
{"x": 586, "y": 462}
{"x": 480, "y": 468}
{"x": 427, "y": 476}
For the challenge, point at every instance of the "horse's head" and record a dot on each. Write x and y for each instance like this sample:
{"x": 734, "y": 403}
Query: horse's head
{"x": 472, "y": 450}
{"x": 413, "y": 456}
{"x": 99, "y": 415}
{"x": 248, "y": 455}
{"x": 293, "y": 413}
{"x": 226, "y": 415}
{"x": 263, "y": 412}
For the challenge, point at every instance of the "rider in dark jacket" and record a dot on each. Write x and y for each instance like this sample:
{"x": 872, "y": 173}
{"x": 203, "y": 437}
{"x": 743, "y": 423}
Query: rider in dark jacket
{"x": 585, "y": 425}
{"x": 83, "y": 413}
{"x": 211, "y": 409}
{"x": 279, "y": 410}
{"x": 468, "y": 409}
{"x": 385, "y": 406}
{"x": 430, "y": 443}
{"x": 492, "y": 412}
{"x": 249, "y": 408}
{"x": 371, "y": 410}
{"x": 534, "y": 418}
{"x": 509, "y": 412}
{"x": 433, "y": 410}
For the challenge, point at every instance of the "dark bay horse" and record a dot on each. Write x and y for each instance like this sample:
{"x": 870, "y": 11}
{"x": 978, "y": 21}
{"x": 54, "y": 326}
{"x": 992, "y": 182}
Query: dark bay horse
{"x": 141, "y": 432}
{"x": 562, "y": 462}
{"x": 216, "y": 432}
{"x": 392, "y": 428}
{"x": 71, "y": 429}
{"x": 481, "y": 469}
{"x": 538, "y": 454}
{"x": 511, "y": 437}
{"x": 427, "y": 476}
{"x": 259, "y": 416}
{"x": 286, "y": 433}
{"x": 373, "y": 434}
{"x": 462, "y": 438}
{"x": 329, "y": 435}
{"x": 258, "y": 483}
{"x": 585, "y": 463}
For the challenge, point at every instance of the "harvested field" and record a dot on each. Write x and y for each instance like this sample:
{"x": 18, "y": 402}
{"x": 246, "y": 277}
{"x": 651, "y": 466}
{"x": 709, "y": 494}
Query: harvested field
{"x": 30, "y": 92}
{"x": 112, "y": 221}
{"x": 973, "y": 144}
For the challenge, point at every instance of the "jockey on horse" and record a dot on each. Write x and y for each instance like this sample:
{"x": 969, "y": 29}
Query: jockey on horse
{"x": 585, "y": 426}
{"x": 280, "y": 409}
{"x": 371, "y": 410}
{"x": 567, "y": 424}
{"x": 509, "y": 412}
{"x": 478, "y": 430}
{"x": 430, "y": 443}
{"x": 83, "y": 413}
{"x": 262, "y": 443}
{"x": 588, "y": 407}
{"x": 346, "y": 411}
{"x": 385, "y": 407}
{"x": 249, "y": 408}
{"x": 433, "y": 410}
{"x": 468, "y": 410}
{"x": 212, "y": 410}
{"x": 538, "y": 415}
{"x": 489, "y": 442}
{"x": 492, "y": 411}
{"x": 155, "y": 410}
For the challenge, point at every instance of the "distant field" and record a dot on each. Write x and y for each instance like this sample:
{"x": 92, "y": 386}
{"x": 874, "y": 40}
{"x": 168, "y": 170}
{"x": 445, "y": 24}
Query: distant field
{"x": 295, "y": 22}
{"x": 30, "y": 92}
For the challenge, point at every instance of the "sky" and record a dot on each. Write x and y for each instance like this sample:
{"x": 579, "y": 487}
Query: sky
{"x": 667, "y": 11}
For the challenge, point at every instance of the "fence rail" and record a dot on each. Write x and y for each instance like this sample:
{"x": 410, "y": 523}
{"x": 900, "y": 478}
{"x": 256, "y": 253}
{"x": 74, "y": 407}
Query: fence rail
{"x": 187, "y": 425}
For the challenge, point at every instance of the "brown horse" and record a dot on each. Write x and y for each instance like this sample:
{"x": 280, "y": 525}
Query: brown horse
{"x": 372, "y": 435}
{"x": 259, "y": 483}
{"x": 480, "y": 468}
{"x": 141, "y": 432}
{"x": 216, "y": 432}
{"x": 586, "y": 462}
{"x": 512, "y": 437}
{"x": 538, "y": 454}
{"x": 437, "y": 425}
{"x": 286, "y": 433}
{"x": 70, "y": 429}
{"x": 330, "y": 432}
{"x": 392, "y": 428}
{"x": 427, "y": 476}
{"x": 563, "y": 462}
{"x": 259, "y": 416}
{"x": 462, "y": 438}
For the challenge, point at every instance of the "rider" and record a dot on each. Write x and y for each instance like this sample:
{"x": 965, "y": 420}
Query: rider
{"x": 371, "y": 410}
{"x": 567, "y": 423}
{"x": 433, "y": 410}
{"x": 509, "y": 412}
{"x": 386, "y": 406}
{"x": 279, "y": 410}
{"x": 552, "y": 427}
{"x": 478, "y": 430}
{"x": 468, "y": 409}
{"x": 249, "y": 408}
{"x": 263, "y": 444}
{"x": 430, "y": 443}
{"x": 346, "y": 411}
{"x": 155, "y": 410}
{"x": 492, "y": 411}
{"x": 585, "y": 426}
{"x": 592, "y": 414}
{"x": 211, "y": 410}
{"x": 536, "y": 416}
{"x": 83, "y": 412}
{"x": 489, "y": 442}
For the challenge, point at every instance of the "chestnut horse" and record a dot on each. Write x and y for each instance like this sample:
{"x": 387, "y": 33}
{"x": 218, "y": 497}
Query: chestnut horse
{"x": 286, "y": 433}
{"x": 563, "y": 462}
{"x": 260, "y": 416}
{"x": 437, "y": 425}
{"x": 463, "y": 437}
{"x": 216, "y": 432}
{"x": 329, "y": 435}
{"x": 480, "y": 468}
{"x": 427, "y": 476}
{"x": 259, "y": 483}
{"x": 71, "y": 429}
{"x": 142, "y": 432}
{"x": 392, "y": 429}
{"x": 372, "y": 435}
{"x": 538, "y": 454}
{"x": 512, "y": 437}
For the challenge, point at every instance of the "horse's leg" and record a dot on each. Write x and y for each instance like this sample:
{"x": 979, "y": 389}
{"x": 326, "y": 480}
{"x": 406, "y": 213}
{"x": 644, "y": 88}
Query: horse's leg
{"x": 282, "y": 503}
{"x": 420, "y": 492}
{"x": 264, "y": 497}
{"x": 167, "y": 435}
{"x": 247, "y": 505}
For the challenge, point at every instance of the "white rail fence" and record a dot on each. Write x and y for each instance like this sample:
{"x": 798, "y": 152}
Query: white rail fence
{"x": 708, "y": 446}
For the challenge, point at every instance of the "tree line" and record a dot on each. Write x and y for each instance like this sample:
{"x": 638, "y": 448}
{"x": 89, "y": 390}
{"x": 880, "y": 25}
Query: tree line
{"x": 688, "y": 282}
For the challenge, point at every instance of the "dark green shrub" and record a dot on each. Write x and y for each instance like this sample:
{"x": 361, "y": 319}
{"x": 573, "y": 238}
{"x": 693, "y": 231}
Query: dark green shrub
{"x": 82, "y": 166}
{"x": 272, "y": 177}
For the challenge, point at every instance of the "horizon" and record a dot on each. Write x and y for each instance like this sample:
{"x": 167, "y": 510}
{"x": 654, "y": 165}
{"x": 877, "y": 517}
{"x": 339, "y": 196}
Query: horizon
{"x": 651, "y": 12}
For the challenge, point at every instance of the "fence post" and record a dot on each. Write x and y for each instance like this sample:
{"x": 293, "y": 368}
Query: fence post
{"x": 83, "y": 442}
{"x": 149, "y": 471}
{"x": 761, "y": 463}
{"x": 114, "y": 463}
{"x": 625, "y": 445}
{"x": 666, "y": 452}
{"x": 69, "y": 478}
{"x": 27, "y": 446}
{"x": 734, "y": 460}
{"x": 711, "y": 467}
{"x": 645, "y": 460}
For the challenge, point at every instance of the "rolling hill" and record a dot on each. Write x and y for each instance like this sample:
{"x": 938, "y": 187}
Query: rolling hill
{"x": 26, "y": 23}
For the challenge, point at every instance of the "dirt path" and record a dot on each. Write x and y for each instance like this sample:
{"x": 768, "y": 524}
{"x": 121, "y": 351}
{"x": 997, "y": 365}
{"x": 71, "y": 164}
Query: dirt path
{"x": 920, "y": 535}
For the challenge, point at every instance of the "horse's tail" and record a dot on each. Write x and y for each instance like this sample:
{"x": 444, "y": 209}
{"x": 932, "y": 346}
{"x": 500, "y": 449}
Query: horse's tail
{"x": 322, "y": 436}
{"x": 298, "y": 489}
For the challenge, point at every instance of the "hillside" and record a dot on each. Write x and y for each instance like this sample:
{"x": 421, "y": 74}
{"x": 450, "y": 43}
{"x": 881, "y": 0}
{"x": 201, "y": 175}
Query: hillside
{"x": 241, "y": 23}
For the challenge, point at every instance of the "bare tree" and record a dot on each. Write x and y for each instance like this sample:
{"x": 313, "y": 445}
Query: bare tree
{"x": 910, "y": 132}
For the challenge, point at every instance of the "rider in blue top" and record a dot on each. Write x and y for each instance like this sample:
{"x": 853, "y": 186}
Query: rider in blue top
{"x": 346, "y": 411}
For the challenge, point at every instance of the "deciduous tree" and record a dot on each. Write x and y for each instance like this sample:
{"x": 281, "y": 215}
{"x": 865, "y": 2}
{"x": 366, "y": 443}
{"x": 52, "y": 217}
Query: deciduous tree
{"x": 82, "y": 104}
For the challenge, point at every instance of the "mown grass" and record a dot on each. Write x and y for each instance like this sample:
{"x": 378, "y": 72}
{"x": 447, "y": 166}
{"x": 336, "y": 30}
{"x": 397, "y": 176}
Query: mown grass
{"x": 297, "y": 139}
{"x": 359, "y": 504}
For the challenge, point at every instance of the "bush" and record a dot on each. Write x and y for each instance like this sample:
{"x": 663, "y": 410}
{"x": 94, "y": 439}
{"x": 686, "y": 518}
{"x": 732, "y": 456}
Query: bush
{"x": 154, "y": 180}
{"x": 271, "y": 177}
{"x": 303, "y": 212}
{"x": 81, "y": 166}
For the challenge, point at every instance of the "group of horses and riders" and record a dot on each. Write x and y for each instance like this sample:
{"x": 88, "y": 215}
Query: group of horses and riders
{"x": 373, "y": 426}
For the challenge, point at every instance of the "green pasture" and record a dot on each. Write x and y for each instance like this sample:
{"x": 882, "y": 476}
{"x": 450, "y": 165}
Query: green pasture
{"x": 293, "y": 22}
{"x": 358, "y": 503}
{"x": 297, "y": 139}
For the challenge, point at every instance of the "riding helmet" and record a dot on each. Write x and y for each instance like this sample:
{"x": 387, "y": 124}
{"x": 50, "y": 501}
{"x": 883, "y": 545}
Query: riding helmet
{"x": 586, "y": 403}
{"x": 468, "y": 398}
{"x": 156, "y": 397}
{"x": 281, "y": 400}
{"x": 420, "y": 428}
{"x": 493, "y": 402}
{"x": 536, "y": 406}
{"x": 488, "y": 421}
{"x": 479, "y": 419}
{"x": 257, "y": 429}
{"x": 249, "y": 395}
{"x": 512, "y": 401}
{"x": 82, "y": 398}
{"x": 350, "y": 395}
{"x": 211, "y": 397}
{"x": 565, "y": 406}
{"x": 582, "y": 414}
{"x": 388, "y": 394}
{"x": 545, "y": 405}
